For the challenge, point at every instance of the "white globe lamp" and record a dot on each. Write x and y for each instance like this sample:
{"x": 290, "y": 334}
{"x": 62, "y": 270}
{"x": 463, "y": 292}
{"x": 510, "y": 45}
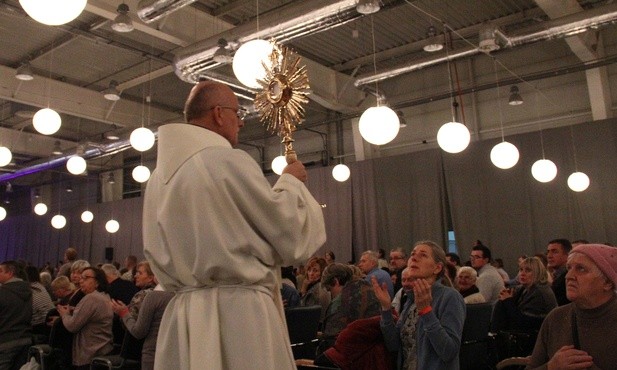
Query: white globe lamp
{"x": 504, "y": 155}
{"x": 87, "y": 216}
{"x": 247, "y": 63}
{"x": 578, "y": 181}
{"x": 544, "y": 170}
{"x": 2, "y": 213}
{"x": 341, "y": 172}
{"x": 76, "y": 165}
{"x": 53, "y": 12}
{"x": 453, "y": 137}
{"x": 142, "y": 139}
{"x": 40, "y": 209}
{"x": 112, "y": 226}
{"x": 46, "y": 121}
{"x": 379, "y": 125}
{"x": 141, "y": 173}
{"x": 278, "y": 164}
{"x": 58, "y": 221}
{"x": 5, "y": 156}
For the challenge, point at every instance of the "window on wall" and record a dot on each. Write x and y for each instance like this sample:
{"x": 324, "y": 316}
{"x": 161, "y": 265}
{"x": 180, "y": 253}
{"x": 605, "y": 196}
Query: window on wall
{"x": 452, "y": 243}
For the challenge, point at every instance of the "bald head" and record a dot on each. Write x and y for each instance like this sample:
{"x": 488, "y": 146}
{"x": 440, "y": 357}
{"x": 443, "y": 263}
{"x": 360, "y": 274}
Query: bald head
{"x": 214, "y": 106}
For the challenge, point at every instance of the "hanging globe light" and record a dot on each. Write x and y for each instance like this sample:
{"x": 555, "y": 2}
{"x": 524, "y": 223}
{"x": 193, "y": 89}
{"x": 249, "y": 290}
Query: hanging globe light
{"x": 453, "y": 137}
{"x": 141, "y": 173}
{"x": 142, "y": 139}
{"x": 87, "y": 216}
{"x": 53, "y": 12}
{"x": 5, "y": 156}
{"x": 40, "y": 209}
{"x": 112, "y": 226}
{"x": 247, "y": 63}
{"x": 278, "y": 164}
{"x": 58, "y": 221}
{"x": 504, "y": 155}
{"x": 341, "y": 172}
{"x": 544, "y": 170}
{"x": 46, "y": 121}
{"x": 76, "y": 165}
{"x": 379, "y": 125}
{"x": 2, "y": 213}
{"x": 578, "y": 181}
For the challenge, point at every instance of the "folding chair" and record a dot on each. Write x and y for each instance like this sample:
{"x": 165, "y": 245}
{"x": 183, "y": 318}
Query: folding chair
{"x": 128, "y": 358}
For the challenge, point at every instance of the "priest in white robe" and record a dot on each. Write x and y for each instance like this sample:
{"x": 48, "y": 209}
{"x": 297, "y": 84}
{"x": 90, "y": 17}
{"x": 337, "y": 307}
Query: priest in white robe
{"x": 216, "y": 233}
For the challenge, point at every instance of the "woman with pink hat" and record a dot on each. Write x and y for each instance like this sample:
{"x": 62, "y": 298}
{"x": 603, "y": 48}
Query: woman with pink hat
{"x": 582, "y": 335}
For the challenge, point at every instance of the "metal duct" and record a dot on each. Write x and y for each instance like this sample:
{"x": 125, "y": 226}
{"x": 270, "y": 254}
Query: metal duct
{"x": 288, "y": 23}
{"x": 561, "y": 27}
{"x": 151, "y": 10}
{"x": 97, "y": 151}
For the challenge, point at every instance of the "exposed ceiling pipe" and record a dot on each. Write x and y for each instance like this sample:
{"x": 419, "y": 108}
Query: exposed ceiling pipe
{"x": 285, "y": 24}
{"x": 94, "y": 151}
{"x": 562, "y": 27}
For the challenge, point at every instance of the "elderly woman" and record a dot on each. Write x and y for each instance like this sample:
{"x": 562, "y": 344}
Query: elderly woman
{"x": 76, "y": 269}
{"x": 524, "y": 308}
{"x": 466, "y": 283}
{"x": 582, "y": 335}
{"x": 428, "y": 333}
{"x": 312, "y": 291}
{"x": 62, "y": 289}
{"x": 91, "y": 320}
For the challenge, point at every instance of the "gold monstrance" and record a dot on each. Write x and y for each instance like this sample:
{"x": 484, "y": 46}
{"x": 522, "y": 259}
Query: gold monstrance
{"x": 284, "y": 90}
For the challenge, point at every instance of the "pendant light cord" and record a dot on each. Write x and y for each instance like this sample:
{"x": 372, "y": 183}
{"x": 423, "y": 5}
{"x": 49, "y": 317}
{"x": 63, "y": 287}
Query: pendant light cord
{"x": 498, "y": 100}
{"x": 374, "y": 59}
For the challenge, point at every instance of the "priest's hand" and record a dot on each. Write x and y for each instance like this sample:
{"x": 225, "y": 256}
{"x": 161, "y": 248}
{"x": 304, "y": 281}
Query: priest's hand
{"x": 297, "y": 170}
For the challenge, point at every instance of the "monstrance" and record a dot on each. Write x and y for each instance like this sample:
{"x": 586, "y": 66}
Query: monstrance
{"x": 284, "y": 90}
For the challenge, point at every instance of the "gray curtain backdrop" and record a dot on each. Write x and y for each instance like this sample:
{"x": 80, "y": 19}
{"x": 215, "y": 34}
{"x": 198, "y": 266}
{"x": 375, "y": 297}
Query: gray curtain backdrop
{"x": 395, "y": 201}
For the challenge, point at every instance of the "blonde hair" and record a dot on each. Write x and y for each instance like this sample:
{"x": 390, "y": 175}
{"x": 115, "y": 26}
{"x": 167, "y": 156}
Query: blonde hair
{"x": 537, "y": 269}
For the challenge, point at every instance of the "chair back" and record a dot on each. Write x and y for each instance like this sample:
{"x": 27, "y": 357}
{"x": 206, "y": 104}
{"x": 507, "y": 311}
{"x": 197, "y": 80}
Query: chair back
{"x": 131, "y": 347}
{"x": 474, "y": 353}
{"x": 302, "y": 323}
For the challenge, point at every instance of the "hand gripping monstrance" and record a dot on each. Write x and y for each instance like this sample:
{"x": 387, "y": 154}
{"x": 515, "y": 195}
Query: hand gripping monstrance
{"x": 284, "y": 90}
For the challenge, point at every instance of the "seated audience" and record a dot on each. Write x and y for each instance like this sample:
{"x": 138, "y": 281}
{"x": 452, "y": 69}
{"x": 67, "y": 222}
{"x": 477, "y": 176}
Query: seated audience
{"x": 45, "y": 279}
{"x": 117, "y": 288}
{"x": 329, "y": 257}
{"x": 41, "y": 302}
{"x": 466, "y": 281}
{"x": 147, "y": 323}
{"x": 15, "y": 316}
{"x": 62, "y": 289}
{"x": 428, "y": 333}
{"x": 498, "y": 264}
{"x": 91, "y": 320}
{"x": 519, "y": 312}
{"x": 312, "y": 291}
{"x": 489, "y": 281}
{"x": 352, "y": 299}
{"x": 382, "y": 263}
{"x": 582, "y": 335}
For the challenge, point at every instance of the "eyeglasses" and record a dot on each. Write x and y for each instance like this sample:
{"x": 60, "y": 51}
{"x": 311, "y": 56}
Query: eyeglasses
{"x": 241, "y": 112}
{"x": 476, "y": 257}
{"x": 396, "y": 258}
{"x": 86, "y": 277}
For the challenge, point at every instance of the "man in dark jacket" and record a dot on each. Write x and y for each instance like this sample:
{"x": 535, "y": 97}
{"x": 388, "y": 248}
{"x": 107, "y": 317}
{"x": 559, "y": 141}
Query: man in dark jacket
{"x": 15, "y": 316}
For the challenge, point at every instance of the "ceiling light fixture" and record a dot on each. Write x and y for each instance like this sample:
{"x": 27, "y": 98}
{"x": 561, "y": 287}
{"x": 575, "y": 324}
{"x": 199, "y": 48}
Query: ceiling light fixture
{"x": 58, "y": 221}
{"x": 515, "y": 97}
{"x": 2, "y": 213}
{"x": 5, "y": 156}
{"x": 141, "y": 173}
{"x": 433, "y": 46}
{"x": 87, "y": 216}
{"x": 40, "y": 208}
{"x": 122, "y": 22}
{"x": 77, "y": 164}
{"x": 401, "y": 119}
{"x": 378, "y": 125}
{"x": 53, "y": 12}
{"x": 24, "y": 72}
{"x": 452, "y": 137}
{"x": 577, "y": 181}
{"x": 487, "y": 40}
{"x": 503, "y": 155}
{"x": 543, "y": 170}
{"x": 367, "y": 6}
{"x": 222, "y": 54}
{"x": 69, "y": 189}
{"x": 57, "y": 150}
{"x": 47, "y": 121}
{"x": 112, "y": 226}
{"x": 112, "y": 93}
{"x": 341, "y": 172}
{"x": 151, "y": 10}
{"x": 142, "y": 139}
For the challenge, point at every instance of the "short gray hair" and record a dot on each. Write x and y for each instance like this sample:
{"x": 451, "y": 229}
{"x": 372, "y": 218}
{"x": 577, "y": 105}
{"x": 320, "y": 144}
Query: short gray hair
{"x": 470, "y": 270}
{"x": 79, "y": 265}
{"x": 110, "y": 270}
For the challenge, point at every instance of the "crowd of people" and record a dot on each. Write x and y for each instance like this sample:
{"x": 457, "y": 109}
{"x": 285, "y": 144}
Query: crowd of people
{"x": 90, "y": 309}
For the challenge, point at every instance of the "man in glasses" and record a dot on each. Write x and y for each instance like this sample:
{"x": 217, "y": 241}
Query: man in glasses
{"x": 489, "y": 281}
{"x": 217, "y": 233}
